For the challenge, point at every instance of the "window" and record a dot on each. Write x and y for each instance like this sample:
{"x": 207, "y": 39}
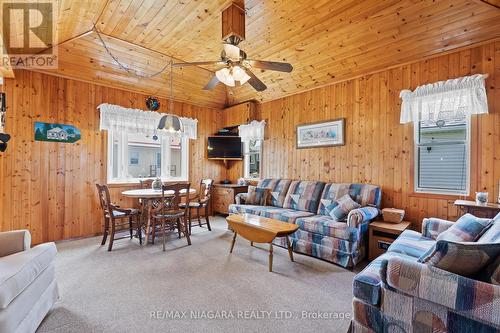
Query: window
{"x": 253, "y": 152}
{"x": 442, "y": 154}
{"x": 133, "y": 157}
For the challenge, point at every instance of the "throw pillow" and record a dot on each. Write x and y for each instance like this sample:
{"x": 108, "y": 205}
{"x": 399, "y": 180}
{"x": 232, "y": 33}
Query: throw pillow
{"x": 340, "y": 208}
{"x": 466, "y": 259}
{"x": 257, "y": 196}
{"x": 491, "y": 274}
{"x": 468, "y": 228}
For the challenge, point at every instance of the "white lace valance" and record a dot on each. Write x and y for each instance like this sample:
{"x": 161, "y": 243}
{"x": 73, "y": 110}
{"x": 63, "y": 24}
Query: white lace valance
{"x": 445, "y": 100}
{"x": 117, "y": 118}
{"x": 252, "y": 131}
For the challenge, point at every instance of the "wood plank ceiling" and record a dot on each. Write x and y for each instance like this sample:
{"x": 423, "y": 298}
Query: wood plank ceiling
{"x": 326, "y": 41}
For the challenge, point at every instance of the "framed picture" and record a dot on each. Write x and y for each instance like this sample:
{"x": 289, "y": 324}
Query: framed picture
{"x": 56, "y": 132}
{"x": 322, "y": 134}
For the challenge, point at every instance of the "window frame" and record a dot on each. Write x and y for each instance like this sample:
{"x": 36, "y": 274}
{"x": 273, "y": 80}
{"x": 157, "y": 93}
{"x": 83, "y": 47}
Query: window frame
{"x": 246, "y": 159}
{"x": 124, "y": 158}
{"x": 417, "y": 144}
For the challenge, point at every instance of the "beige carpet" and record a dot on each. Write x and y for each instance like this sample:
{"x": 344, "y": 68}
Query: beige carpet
{"x": 197, "y": 288}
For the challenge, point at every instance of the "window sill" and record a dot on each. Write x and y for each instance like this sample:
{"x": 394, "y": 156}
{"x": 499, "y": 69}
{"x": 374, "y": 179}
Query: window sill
{"x": 439, "y": 196}
{"x": 124, "y": 183}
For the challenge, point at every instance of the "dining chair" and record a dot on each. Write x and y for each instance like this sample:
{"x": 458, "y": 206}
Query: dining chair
{"x": 114, "y": 216}
{"x": 169, "y": 214}
{"x": 146, "y": 183}
{"x": 202, "y": 201}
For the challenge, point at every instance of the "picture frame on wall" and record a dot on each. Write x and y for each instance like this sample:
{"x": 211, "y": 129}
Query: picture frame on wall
{"x": 328, "y": 133}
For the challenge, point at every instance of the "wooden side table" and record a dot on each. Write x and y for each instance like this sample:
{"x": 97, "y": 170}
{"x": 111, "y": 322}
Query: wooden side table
{"x": 223, "y": 195}
{"x": 488, "y": 210}
{"x": 383, "y": 234}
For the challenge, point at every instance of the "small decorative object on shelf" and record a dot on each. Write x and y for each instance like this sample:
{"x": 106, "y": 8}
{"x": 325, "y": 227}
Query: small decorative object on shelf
{"x": 481, "y": 198}
{"x": 393, "y": 215}
{"x": 157, "y": 184}
{"x": 152, "y": 103}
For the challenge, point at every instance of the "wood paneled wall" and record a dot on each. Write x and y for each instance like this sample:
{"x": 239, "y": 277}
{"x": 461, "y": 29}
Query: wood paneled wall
{"x": 49, "y": 188}
{"x": 379, "y": 150}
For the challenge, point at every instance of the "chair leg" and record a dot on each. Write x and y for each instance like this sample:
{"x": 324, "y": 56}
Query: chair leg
{"x": 198, "y": 215}
{"x": 179, "y": 227}
{"x": 186, "y": 231}
{"x": 153, "y": 230}
{"x": 206, "y": 218}
{"x": 189, "y": 218}
{"x": 139, "y": 228}
{"x": 112, "y": 235}
{"x": 105, "y": 233}
{"x": 130, "y": 227}
{"x": 163, "y": 232}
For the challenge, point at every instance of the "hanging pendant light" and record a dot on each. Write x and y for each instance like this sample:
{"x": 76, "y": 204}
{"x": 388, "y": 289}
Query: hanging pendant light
{"x": 170, "y": 123}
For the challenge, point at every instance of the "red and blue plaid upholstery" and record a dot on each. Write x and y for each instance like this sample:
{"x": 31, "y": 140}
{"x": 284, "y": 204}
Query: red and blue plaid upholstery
{"x": 340, "y": 208}
{"x": 432, "y": 227}
{"x": 361, "y": 215}
{"x": 364, "y": 194}
{"x": 303, "y": 195}
{"x": 455, "y": 297}
{"x": 245, "y": 209}
{"x": 367, "y": 284}
{"x": 467, "y": 259}
{"x": 396, "y": 293}
{"x": 412, "y": 243}
{"x": 278, "y": 189}
{"x": 325, "y": 225}
{"x": 468, "y": 228}
{"x": 284, "y": 214}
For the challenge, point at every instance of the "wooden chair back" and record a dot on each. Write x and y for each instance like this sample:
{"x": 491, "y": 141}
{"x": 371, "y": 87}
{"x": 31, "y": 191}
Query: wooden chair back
{"x": 205, "y": 190}
{"x": 105, "y": 200}
{"x": 169, "y": 203}
{"x": 146, "y": 183}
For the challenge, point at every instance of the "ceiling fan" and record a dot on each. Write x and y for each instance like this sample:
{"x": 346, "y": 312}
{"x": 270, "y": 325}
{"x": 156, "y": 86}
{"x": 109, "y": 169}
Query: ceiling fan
{"x": 235, "y": 67}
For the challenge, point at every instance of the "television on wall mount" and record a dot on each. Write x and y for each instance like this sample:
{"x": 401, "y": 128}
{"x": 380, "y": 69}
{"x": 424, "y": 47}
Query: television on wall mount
{"x": 224, "y": 148}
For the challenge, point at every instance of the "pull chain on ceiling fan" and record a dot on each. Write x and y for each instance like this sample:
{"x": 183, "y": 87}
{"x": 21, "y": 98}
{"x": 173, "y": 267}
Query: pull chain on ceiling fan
{"x": 235, "y": 67}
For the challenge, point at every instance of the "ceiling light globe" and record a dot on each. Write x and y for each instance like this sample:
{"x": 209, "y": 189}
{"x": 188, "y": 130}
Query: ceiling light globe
{"x": 224, "y": 76}
{"x": 240, "y": 75}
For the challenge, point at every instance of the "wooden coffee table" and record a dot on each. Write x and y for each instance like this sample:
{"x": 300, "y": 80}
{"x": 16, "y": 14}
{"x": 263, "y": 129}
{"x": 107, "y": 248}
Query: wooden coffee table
{"x": 261, "y": 230}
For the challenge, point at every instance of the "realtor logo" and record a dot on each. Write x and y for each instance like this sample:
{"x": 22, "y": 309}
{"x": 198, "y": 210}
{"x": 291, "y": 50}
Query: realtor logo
{"x": 28, "y": 34}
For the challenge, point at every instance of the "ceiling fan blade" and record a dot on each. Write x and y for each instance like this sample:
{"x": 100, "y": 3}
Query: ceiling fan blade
{"x": 199, "y": 63}
{"x": 255, "y": 82}
{"x": 271, "y": 65}
{"x": 232, "y": 52}
{"x": 211, "y": 85}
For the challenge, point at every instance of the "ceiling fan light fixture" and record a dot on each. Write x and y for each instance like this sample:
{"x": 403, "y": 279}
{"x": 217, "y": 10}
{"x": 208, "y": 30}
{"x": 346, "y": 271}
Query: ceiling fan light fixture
{"x": 224, "y": 76}
{"x": 240, "y": 75}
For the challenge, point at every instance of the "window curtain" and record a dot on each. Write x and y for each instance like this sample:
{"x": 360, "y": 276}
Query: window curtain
{"x": 117, "y": 118}
{"x": 445, "y": 100}
{"x": 252, "y": 131}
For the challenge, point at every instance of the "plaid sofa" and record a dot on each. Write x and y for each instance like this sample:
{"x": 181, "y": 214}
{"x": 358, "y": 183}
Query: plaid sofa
{"x": 396, "y": 293}
{"x": 304, "y": 203}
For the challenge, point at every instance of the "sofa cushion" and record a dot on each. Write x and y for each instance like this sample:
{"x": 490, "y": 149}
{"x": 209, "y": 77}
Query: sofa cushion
{"x": 303, "y": 195}
{"x": 278, "y": 189}
{"x": 325, "y": 225}
{"x": 340, "y": 208}
{"x": 468, "y": 228}
{"x": 19, "y": 270}
{"x": 246, "y": 209}
{"x": 492, "y": 234}
{"x": 257, "y": 196}
{"x": 364, "y": 194}
{"x": 466, "y": 259}
{"x": 411, "y": 243}
{"x": 368, "y": 283}
{"x": 284, "y": 214}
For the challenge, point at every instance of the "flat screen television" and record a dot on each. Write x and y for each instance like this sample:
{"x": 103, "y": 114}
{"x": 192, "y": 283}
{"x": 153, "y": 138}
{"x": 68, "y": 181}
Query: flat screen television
{"x": 225, "y": 147}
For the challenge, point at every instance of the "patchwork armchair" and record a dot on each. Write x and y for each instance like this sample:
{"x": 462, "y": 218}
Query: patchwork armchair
{"x": 398, "y": 293}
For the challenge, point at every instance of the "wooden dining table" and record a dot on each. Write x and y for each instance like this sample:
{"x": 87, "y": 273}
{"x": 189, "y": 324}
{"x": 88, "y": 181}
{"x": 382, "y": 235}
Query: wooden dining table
{"x": 147, "y": 196}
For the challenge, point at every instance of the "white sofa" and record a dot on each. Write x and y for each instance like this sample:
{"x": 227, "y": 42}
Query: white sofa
{"x": 28, "y": 288}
